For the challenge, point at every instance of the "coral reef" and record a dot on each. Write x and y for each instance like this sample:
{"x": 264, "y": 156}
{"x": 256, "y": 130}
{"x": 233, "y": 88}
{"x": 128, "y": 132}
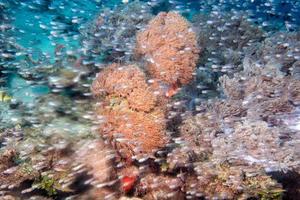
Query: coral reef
{"x": 282, "y": 50}
{"x": 225, "y": 38}
{"x": 249, "y": 131}
{"x": 11, "y": 175}
{"x": 52, "y": 164}
{"x": 24, "y": 172}
{"x": 257, "y": 144}
{"x": 129, "y": 131}
{"x": 169, "y": 46}
{"x": 264, "y": 92}
{"x": 127, "y": 82}
{"x": 100, "y": 163}
{"x": 97, "y": 159}
{"x": 129, "y": 120}
{"x": 230, "y": 182}
{"x": 160, "y": 187}
{"x": 113, "y": 33}
{"x": 133, "y": 110}
{"x": 206, "y": 109}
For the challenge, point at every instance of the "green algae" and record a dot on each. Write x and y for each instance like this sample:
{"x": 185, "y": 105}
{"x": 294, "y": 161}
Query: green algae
{"x": 47, "y": 183}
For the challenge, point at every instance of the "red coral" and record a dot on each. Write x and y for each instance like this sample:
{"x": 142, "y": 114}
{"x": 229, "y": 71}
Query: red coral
{"x": 170, "y": 48}
{"x": 128, "y": 178}
{"x": 128, "y": 183}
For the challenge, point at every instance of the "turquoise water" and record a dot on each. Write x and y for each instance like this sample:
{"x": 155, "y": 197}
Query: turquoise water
{"x": 232, "y": 129}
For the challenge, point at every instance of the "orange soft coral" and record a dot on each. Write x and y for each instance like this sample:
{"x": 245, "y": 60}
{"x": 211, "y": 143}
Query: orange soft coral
{"x": 170, "y": 48}
{"x": 132, "y": 133}
{"x": 134, "y": 117}
{"x": 133, "y": 110}
{"x": 128, "y": 82}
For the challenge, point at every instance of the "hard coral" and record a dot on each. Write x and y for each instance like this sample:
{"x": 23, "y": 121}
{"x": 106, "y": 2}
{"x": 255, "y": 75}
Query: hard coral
{"x": 233, "y": 144}
{"x": 160, "y": 187}
{"x": 264, "y": 93}
{"x": 12, "y": 174}
{"x": 223, "y": 181}
{"x": 255, "y": 143}
{"x": 170, "y": 48}
{"x": 281, "y": 48}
